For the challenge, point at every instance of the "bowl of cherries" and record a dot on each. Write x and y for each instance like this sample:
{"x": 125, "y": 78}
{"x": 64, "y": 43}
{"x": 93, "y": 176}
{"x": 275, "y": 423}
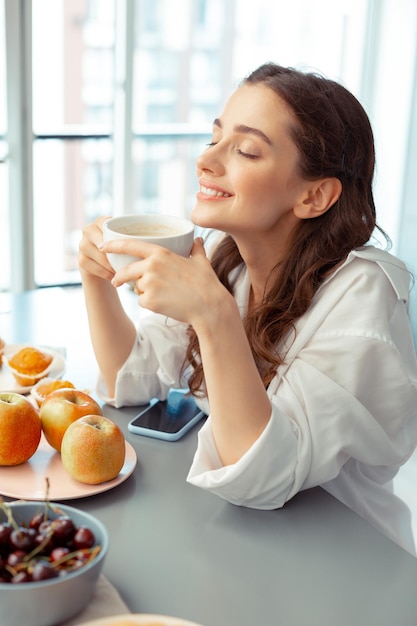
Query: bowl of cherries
{"x": 51, "y": 556}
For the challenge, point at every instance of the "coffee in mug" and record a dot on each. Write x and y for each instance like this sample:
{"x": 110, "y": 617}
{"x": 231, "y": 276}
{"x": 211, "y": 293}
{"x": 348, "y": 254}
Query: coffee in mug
{"x": 169, "y": 231}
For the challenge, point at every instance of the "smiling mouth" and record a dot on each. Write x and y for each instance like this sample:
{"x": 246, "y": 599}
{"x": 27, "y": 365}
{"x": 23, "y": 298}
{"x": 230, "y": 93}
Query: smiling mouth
{"x": 208, "y": 191}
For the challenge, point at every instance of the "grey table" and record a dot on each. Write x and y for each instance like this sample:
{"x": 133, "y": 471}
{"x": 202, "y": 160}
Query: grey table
{"x": 180, "y": 551}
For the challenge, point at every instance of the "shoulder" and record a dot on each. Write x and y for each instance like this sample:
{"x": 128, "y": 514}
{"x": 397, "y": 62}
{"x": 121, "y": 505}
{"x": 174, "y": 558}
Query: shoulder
{"x": 372, "y": 269}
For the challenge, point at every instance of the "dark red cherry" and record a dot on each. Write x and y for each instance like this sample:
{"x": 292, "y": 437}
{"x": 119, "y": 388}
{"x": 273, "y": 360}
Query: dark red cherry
{"x": 43, "y": 570}
{"x": 22, "y": 538}
{"x": 83, "y": 538}
{"x": 5, "y": 532}
{"x": 64, "y": 530}
{"x": 16, "y": 557}
{"x": 59, "y": 553}
{"x": 37, "y": 520}
{"x": 45, "y": 527}
{"x": 21, "y": 577}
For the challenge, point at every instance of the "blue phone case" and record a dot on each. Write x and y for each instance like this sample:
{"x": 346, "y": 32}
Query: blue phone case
{"x": 169, "y": 420}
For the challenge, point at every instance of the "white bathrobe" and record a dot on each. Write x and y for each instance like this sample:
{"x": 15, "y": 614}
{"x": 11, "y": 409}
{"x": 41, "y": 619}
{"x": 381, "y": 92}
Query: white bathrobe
{"x": 343, "y": 406}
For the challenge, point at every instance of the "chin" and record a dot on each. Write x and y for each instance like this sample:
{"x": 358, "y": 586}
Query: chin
{"x": 203, "y": 217}
{"x": 197, "y": 215}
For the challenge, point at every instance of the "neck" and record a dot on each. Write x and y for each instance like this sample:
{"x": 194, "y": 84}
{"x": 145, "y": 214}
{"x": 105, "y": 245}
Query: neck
{"x": 260, "y": 263}
{"x": 259, "y": 282}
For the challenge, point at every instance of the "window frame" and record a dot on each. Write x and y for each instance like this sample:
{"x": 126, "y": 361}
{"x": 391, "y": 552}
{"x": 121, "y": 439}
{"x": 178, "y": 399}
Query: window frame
{"x": 19, "y": 139}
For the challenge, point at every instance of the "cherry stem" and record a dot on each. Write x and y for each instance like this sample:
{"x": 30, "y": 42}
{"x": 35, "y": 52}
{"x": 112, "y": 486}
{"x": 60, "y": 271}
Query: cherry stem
{"x": 91, "y": 552}
{"x": 39, "y": 547}
{"x": 9, "y": 513}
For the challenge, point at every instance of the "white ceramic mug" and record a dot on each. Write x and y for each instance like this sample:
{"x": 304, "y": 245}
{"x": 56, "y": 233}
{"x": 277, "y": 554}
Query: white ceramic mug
{"x": 169, "y": 231}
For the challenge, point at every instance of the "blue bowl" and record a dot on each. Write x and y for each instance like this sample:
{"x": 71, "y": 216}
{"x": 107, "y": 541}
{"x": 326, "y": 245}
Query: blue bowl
{"x": 50, "y": 602}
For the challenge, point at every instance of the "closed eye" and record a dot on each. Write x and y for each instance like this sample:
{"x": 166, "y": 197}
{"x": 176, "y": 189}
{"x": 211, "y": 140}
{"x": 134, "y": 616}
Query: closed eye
{"x": 240, "y": 152}
{"x": 247, "y": 155}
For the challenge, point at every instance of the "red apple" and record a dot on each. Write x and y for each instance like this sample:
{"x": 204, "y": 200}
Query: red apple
{"x": 61, "y": 408}
{"x": 20, "y": 429}
{"x": 93, "y": 449}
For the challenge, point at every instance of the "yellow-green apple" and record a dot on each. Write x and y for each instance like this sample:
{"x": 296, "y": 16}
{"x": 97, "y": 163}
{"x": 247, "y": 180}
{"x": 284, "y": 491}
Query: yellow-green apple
{"x": 93, "y": 449}
{"x": 61, "y": 408}
{"x": 20, "y": 429}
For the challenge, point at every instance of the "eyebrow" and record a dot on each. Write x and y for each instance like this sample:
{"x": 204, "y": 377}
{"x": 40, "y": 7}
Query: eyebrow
{"x": 241, "y": 128}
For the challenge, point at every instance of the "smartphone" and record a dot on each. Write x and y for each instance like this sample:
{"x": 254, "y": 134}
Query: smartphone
{"x": 168, "y": 419}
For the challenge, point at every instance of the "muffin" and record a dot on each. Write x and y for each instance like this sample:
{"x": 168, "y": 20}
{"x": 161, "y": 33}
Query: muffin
{"x": 28, "y": 365}
{"x": 46, "y": 385}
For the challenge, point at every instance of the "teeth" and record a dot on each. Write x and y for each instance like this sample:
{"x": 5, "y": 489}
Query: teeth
{"x": 212, "y": 192}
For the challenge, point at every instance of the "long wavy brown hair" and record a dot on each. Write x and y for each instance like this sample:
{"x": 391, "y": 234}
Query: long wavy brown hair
{"x": 334, "y": 139}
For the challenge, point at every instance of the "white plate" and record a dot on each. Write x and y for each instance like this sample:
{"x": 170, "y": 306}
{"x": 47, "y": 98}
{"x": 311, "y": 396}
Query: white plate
{"x": 28, "y": 480}
{"x": 8, "y": 381}
{"x": 131, "y": 619}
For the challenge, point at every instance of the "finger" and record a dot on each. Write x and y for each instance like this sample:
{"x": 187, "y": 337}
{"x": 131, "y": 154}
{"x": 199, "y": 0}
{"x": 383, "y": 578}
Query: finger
{"x": 88, "y": 249}
{"x": 128, "y": 273}
{"x": 136, "y": 288}
{"x": 100, "y": 221}
{"x": 138, "y": 248}
{"x": 95, "y": 268}
{"x": 198, "y": 248}
{"x": 93, "y": 260}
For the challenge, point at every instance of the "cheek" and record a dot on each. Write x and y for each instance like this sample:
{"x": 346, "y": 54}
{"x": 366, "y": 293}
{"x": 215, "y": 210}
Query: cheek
{"x": 275, "y": 189}
{"x": 262, "y": 194}
{"x": 253, "y": 189}
{"x": 256, "y": 178}
{"x": 266, "y": 203}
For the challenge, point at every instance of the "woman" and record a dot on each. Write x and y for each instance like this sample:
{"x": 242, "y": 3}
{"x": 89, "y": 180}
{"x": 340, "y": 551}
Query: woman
{"x": 294, "y": 330}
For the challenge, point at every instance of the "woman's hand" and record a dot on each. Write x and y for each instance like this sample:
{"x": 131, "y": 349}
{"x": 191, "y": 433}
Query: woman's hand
{"x": 104, "y": 309}
{"x": 91, "y": 260}
{"x": 188, "y": 290}
{"x": 182, "y": 288}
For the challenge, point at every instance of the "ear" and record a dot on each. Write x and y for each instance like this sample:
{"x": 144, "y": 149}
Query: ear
{"x": 318, "y": 198}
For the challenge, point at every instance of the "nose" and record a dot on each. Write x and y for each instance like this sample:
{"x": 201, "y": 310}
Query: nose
{"x": 210, "y": 161}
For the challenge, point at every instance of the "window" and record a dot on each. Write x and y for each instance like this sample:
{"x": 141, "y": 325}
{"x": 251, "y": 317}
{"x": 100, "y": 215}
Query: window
{"x": 4, "y": 214}
{"x": 120, "y": 103}
{"x": 73, "y": 108}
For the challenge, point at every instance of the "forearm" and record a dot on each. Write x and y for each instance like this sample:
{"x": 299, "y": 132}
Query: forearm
{"x": 112, "y": 331}
{"x": 239, "y": 406}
